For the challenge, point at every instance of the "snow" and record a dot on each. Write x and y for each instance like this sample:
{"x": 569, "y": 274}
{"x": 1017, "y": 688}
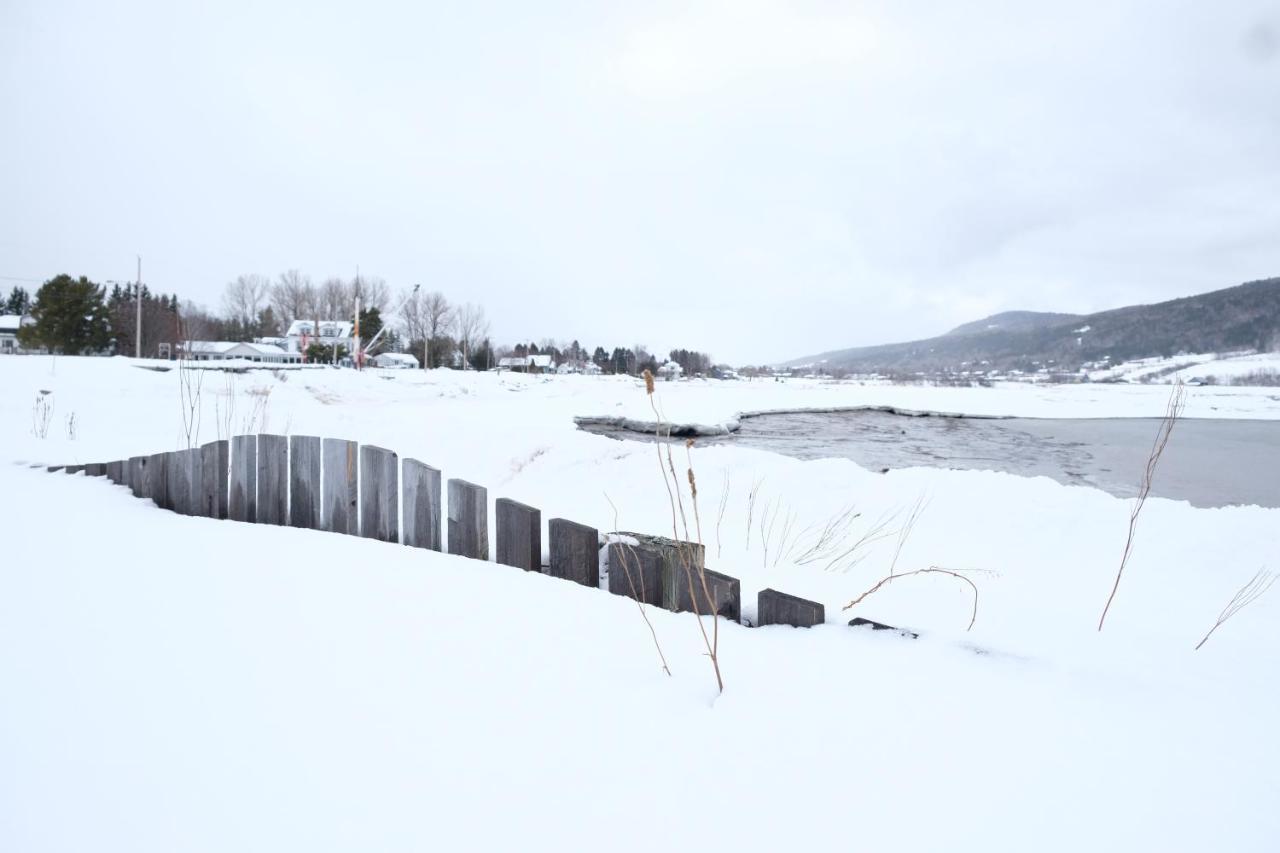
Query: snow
{"x": 1228, "y": 368}
{"x": 178, "y": 683}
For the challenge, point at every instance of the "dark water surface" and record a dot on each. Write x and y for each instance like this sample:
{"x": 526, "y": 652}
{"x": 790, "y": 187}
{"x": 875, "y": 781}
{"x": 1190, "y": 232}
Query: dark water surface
{"x": 1209, "y": 462}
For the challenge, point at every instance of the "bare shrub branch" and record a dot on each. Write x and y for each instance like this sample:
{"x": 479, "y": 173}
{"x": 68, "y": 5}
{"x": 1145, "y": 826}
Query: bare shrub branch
{"x": 1173, "y": 411}
{"x": 955, "y": 573}
{"x": 1246, "y": 595}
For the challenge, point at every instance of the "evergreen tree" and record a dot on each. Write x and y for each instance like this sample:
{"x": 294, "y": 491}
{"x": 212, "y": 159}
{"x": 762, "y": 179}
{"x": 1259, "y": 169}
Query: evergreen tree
{"x": 71, "y": 317}
{"x": 370, "y": 323}
{"x": 19, "y": 302}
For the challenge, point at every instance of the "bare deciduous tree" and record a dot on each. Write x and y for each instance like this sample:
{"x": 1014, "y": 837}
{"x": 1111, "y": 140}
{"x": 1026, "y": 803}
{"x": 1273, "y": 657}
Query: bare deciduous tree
{"x": 293, "y": 297}
{"x": 437, "y": 320}
{"x": 472, "y": 328}
{"x": 372, "y": 292}
{"x": 333, "y": 299}
{"x": 244, "y": 298}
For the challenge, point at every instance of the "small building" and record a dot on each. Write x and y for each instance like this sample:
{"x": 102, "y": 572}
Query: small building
{"x": 670, "y": 371}
{"x": 9, "y": 326}
{"x": 527, "y": 363}
{"x": 303, "y": 333}
{"x": 227, "y": 350}
{"x": 396, "y": 361}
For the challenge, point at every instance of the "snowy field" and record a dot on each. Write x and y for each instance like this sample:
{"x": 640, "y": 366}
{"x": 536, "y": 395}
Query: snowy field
{"x": 174, "y": 683}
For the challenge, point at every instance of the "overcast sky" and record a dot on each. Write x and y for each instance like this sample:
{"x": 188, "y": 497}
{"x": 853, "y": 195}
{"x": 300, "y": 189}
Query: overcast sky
{"x": 763, "y": 180}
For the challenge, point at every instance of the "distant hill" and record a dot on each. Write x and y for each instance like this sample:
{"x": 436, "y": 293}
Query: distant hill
{"x": 1243, "y": 317}
{"x": 1014, "y": 321}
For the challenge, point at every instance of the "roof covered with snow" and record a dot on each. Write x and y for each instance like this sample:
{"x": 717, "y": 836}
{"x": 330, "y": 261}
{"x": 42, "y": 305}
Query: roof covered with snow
{"x": 328, "y": 328}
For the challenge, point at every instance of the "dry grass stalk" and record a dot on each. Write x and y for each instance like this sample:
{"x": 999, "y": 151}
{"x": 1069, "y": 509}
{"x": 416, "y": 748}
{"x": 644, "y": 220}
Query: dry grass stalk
{"x": 638, "y": 595}
{"x": 752, "y": 494}
{"x": 724, "y": 503}
{"x": 1173, "y": 411}
{"x": 1246, "y": 595}
{"x": 685, "y": 550}
{"x": 904, "y": 532}
{"x": 931, "y": 570}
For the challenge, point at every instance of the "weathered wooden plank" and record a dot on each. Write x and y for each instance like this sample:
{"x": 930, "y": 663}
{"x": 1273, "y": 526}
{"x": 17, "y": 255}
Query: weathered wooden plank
{"x": 780, "y": 608}
{"x": 214, "y": 463}
{"x": 575, "y": 552}
{"x": 95, "y": 469}
{"x": 72, "y": 469}
{"x": 468, "y": 520}
{"x": 379, "y": 494}
{"x": 273, "y": 479}
{"x": 195, "y": 482}
{"x": 341, "y": 482}
{"x": 421, "y": 506}
{"x": 157, "y": 477}
{"x": 304, "y": 481}
{"x": 518, "y": 533}
{"x": 726, "y": 593}
{"x": 636, "y": 572}
{"x": 137, "y": 475}
{"x": 242, "y": 505}
{"x": 115, "y": 471}
{"x": 176, "y": 488}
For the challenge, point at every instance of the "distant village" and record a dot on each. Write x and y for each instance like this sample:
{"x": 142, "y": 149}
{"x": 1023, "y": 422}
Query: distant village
{"x": 292, "y": 322}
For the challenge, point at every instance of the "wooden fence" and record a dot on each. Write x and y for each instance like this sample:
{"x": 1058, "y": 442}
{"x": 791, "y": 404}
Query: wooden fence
{"x": 362, "y": 490}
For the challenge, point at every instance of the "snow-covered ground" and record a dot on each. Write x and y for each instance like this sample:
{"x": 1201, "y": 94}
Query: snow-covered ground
{"x": 176, "y": 683}
{"x": 1220, "y": 367}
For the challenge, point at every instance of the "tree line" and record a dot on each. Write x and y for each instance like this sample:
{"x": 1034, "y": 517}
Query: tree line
{"x": 77, "y": 316}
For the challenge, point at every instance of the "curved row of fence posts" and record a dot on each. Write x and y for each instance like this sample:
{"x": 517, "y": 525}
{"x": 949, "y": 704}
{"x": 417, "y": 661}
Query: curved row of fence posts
{"x": 340, "y": 486}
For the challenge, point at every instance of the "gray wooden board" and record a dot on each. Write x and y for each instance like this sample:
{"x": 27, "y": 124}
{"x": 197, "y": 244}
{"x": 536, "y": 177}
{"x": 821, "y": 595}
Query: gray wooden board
{"x": 421, "y": 505}
{"x": 195, "y": 482}
{"x": 575, "y": 552}
{"x": 214, "y": 461}
{"x": 468, "y": 520}
{"x": 157, "y": 480}
{"x": 518, "y": 535}
{"x": 341, "y": 480}
{"x": 273, "y": 479}
{"x": 379, "y": 494}
{"x": 304, "y": 481}
{"x": 242, "y": 505}
{"x": 780, "y": 608}
{"x": 636, "y": 572}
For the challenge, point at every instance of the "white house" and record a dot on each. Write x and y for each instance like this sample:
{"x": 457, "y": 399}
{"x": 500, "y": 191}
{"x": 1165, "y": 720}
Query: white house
{"x": 670, "y": 371}
{"x": 396, "y": 360}
{"x": 223, "y": 350}
{"x": 330, "y": 332}
{"x": 9, "y": 326}
{"x": 527, "y": 363}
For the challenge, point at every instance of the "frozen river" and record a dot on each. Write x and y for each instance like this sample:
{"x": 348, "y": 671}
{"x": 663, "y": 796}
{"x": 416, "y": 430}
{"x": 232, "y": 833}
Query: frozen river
{"x": 1209, "y": 462}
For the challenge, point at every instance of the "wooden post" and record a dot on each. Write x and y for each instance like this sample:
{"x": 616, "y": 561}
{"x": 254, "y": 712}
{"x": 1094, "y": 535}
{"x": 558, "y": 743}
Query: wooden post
{"x": 273, "y": 479}
{"x": 304, "y": 481}
{"x": 243, "y": 502}
{"x": 380, "y": 497}
{"x": 575, "y": 552}
{"x": 115, "y": 471}
{"x": 519, "y": 535}
{"x": 779, "y": 608}
{"x": 421, "y": 506}
{"x": 214, "y": 462}
{"x": 195, "y": 482}
{"x": 341, "y": 487}
{"x": 176, "y": 487}
{"x": 158, "y": 480}
{"x": 137, "y": 475}
{"x": 468, "y": 520}
{"x": 636, "y": 572}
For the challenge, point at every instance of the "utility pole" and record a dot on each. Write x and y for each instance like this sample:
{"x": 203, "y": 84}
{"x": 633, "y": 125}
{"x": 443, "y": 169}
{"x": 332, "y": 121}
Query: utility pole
{"x": 137, "y": 329}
